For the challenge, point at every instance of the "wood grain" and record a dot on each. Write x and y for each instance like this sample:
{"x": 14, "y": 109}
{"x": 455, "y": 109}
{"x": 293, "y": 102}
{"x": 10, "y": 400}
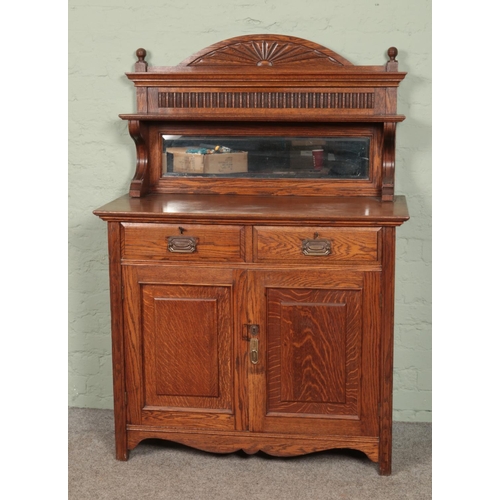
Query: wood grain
{"x": 253, "y": 81}
{"x": 257, "y": 210}
{"x": 387, "y": 353}
{"x": 213, "y": 243}
{"x": 118, "y": 341}
{"x": 323, "y": 319}
{"x": 185, "y": 346}
{"x": 274, "y": 243}
{"x": 266, "y": 51}
{"x": 270, "y": 100}
{"x": 280, "y": 445}
{"x": 313, "y": 346}
{"x": 187, "y": 340}
{"x": 305, "y": 287}
{"x": 180, "y": 346}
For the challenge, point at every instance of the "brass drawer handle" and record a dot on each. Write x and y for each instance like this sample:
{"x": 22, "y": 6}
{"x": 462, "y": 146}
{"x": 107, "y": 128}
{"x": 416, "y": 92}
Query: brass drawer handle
{"x": 316, "y": 247}
{"x": 182, "y": 244}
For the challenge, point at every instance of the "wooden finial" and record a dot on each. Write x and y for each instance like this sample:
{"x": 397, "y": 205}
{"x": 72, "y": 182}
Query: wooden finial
{"x": 392, "y": 64}
{"x": 141, "y": 64}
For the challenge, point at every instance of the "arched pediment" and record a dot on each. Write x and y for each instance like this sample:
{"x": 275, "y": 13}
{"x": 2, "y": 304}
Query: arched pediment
{"x": 266, "y": 51}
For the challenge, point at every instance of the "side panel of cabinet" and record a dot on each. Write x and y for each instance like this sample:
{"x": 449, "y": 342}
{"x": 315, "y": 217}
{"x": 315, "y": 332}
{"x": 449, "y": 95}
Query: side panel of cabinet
{"x": 179, "y": 347}
{"x": 319, "y": 353}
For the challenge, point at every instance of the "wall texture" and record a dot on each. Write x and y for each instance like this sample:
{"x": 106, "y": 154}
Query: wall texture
{"x": 103, "y": 37}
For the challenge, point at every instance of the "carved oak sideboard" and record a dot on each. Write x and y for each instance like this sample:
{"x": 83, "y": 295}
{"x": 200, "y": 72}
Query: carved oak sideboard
{"x": 252, "y": 262}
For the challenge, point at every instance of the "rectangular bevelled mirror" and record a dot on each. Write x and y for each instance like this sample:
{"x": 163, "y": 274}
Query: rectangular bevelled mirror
{"x": 266, "y": 157}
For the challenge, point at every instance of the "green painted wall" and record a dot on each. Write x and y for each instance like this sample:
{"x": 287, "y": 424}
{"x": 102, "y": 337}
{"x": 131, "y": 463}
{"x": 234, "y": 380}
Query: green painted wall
{"x": 103, "y": 37}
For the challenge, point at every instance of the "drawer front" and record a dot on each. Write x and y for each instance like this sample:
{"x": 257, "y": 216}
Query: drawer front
{"x": 183, "y": 242}
{"x": 315, "y": 244}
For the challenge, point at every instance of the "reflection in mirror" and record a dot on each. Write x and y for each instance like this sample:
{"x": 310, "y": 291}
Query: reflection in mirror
{"x": 267, "y": 157}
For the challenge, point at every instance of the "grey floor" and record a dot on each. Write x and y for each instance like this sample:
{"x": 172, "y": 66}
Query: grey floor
{"x": 159, "y": 470}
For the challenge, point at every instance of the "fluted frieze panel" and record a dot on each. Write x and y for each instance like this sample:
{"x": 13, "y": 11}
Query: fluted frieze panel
{"x": 277, "y": 100}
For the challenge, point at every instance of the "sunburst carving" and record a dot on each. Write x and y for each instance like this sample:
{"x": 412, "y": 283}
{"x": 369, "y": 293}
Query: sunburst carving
{"x": 263, "y": 53}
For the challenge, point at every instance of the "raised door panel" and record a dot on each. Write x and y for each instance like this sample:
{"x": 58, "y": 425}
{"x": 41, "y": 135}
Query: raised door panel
{"x": 185, "y": 351}
{"x": 313, "y": 351}
{"x": 319, "y": 353}
{"x": 180, "y": 347}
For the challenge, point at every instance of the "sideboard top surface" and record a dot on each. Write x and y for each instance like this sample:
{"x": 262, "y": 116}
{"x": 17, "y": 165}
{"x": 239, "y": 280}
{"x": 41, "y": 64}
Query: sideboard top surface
{"x": 265, "y": 208}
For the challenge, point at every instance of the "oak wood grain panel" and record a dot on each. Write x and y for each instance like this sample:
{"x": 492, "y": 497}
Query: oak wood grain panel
{"x": 314, "y": 351}
{"x": 266, "y": 187}
{"x": 147, "y": 285}
{"x": 213, "y": 242}
{"x": 182, "y": 419}
{"x": 187, "y": 339}
{"x": 269, "y": 413}
{"x": 275, "y": 243}
{"x": 185, "y": 346}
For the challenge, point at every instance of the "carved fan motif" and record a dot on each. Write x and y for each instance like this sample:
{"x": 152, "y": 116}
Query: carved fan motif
{"x": 263, "y": 53}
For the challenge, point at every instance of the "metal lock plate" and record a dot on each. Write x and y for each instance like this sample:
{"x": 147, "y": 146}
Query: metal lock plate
{"x": 254, "y": 351}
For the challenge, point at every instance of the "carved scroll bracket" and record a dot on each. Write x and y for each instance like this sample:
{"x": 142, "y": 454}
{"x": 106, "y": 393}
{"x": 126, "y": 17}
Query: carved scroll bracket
{"x": 140, "y": 183}
{"x": 388, "y": 161}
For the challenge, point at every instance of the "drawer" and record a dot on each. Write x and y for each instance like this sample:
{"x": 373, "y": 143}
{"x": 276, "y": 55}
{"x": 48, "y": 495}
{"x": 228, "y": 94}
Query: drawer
{"x": 186, "y": 242}
{"x": 315, "y": 244}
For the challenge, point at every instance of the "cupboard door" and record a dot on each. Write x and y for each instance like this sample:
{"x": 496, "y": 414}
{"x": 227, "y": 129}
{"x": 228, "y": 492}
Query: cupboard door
{"x": 318, "y": 353}
{"x": 179, "y": 345}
